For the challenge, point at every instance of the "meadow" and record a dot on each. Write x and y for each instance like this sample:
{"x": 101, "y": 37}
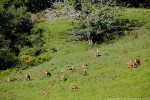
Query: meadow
{"x": 108, "y": 78}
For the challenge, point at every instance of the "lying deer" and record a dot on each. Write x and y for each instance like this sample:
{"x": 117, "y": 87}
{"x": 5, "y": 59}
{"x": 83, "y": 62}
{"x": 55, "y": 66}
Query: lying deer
{"x": 11, "y": 79}
{"x": 73, "y": 87}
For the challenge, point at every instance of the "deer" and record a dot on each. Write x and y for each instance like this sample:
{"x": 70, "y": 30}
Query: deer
{"x": 71, "y": 68}
{"x": 84, "y": 72}
{"x": 131, "y": 64}
{"x": 48, "y": 74}
{"x": 73, "y": 87}
{"x": 11, "y": 79}
{"x": 28, "y": 78}
{"x": 96, "y": 53}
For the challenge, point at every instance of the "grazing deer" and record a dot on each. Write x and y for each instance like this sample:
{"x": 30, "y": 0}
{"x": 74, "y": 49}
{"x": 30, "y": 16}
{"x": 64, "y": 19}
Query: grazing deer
{"x": 48, "y": 74}
{"x": 28, "y": 77}
{"x": 63, "y": 78}
{"x": 137, "y": 62}
{"x": 84, "y": 72}
{"x": 71, "y": 68}
{"x": 131, "y": 64}
{"x": 73, "y": 87}
{"x": 11, "y": 79}
{"x": 96, "y": 53}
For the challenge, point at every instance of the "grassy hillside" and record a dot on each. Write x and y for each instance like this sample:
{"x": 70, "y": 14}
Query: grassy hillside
{"x": 108, "y": 76}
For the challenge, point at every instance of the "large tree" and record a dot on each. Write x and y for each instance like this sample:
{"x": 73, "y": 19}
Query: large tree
{"x": 14, "y": 29}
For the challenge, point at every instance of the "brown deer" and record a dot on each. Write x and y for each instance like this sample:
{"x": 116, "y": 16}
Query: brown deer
{"x": 73, "y": 87}
{"x": 71, "y": 68}
{"x": 11, "y": 79}
{"x": 131, "y": 64}
{"x": 28, "y": 78}
{"x": 48, "y": 74}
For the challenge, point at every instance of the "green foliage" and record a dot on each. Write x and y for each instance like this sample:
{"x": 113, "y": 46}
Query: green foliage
{"x": 134, "y": 3}
{"x": 7, "y": 58}
{"x": 25, "y": 59}
{"x": 40, "y": 59}
{"x": 38, "y": 5}
{"x": 17, "y": 36}
{"x": 14, "y": 27}
{"x": 77, "y": 5}
{"x": 104, "y": 26}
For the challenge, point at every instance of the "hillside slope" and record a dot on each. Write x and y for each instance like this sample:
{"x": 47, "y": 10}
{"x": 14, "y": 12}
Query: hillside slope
{"x": 108, "y": 76}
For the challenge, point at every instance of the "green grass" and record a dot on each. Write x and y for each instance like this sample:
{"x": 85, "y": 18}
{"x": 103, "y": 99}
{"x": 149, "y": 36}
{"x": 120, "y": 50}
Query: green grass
{"x": 108, "y": 76}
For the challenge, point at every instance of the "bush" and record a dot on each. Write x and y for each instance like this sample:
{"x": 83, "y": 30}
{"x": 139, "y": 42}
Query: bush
{"x": 25, "y": 59}
{"x": 40, "y": 59}
{"x": 7, "y": 59}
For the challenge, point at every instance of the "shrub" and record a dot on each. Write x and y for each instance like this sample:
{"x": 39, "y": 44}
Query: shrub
{"x": 7, "y": 59}
{"x": 40, "y": 59}
{"x": 26, "y": 59}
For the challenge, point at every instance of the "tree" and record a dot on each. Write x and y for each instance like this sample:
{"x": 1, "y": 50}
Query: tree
{"x": 14, "y": 29}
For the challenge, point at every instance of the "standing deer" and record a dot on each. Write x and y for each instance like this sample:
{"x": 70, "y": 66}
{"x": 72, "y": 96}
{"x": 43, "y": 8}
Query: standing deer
{"x": 28, "y": 77}
{"x": 84, "y": 72}
{"x": 96, "y": 53}
{"x": 48, "y": 74}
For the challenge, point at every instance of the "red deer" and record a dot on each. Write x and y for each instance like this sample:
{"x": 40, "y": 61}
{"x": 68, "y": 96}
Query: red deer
{"x": 73, "y": 87}
{"x": 131, "y": 64}
{"x": 28, "y": 77}
{"x": 84, "y": 72}
{"x": 71, "y": 68}
{"x": 137, "y": 62}
{"x": 48, "y": 74}
{"x": 11, "y": 79}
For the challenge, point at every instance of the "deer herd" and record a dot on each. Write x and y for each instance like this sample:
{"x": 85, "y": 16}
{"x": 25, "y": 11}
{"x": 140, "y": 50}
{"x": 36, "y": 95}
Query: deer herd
{"x": 130, "y": 63}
